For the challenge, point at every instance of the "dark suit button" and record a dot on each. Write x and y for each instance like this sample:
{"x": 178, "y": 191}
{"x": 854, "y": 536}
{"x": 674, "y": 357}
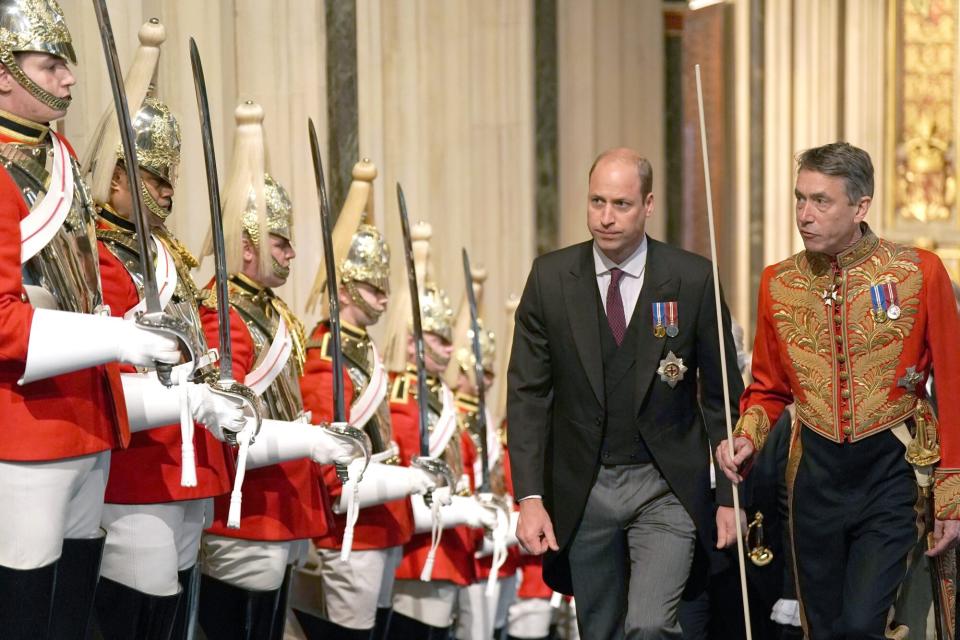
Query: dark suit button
{"x": 606, "y": 454}
{"x": 598, "y": 421}
{"x": 636, "y": 438}
{"x": 633, "y": 456}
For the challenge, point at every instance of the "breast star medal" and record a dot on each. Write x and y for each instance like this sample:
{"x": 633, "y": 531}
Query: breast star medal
{"x": 672, "y": 369}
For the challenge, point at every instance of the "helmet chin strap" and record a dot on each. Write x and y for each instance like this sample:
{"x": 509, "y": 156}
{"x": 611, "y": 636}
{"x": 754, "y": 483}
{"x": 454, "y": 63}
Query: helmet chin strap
{"x": 433, "y": 355}
{"x": 152, "y": 205}
{"x": 357, "y": 298}
{"x": 278, "y": 269}
{"x": 38, "y": 92}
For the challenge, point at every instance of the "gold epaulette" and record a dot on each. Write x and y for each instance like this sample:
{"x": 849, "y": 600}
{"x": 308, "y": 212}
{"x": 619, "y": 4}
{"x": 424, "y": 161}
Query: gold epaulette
{"x": 401, "y": 389}
{"x": 324, "y": 345}
{"x": 208, "y": 298}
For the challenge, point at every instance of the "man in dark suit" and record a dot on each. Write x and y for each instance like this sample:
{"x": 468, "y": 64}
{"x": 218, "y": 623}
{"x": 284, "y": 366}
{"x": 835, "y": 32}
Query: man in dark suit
{"x": 609, "y": 427}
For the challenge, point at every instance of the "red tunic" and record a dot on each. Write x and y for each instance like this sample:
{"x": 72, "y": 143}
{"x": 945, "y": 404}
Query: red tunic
{"x": 149, "y": 470}
{"x": 280, "y": 502}
{"x": 454, "y": 558}
{"x": 74, "y": 414}
{"x": 378, "y": 527}
{"x": 819, "y": 344}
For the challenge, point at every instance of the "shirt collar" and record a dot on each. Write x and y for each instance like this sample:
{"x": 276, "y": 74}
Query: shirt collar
{"x": 632, "y": 266}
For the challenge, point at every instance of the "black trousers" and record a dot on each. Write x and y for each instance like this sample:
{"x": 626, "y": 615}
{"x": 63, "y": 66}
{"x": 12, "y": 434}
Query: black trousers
{"x": 854, "y": 514}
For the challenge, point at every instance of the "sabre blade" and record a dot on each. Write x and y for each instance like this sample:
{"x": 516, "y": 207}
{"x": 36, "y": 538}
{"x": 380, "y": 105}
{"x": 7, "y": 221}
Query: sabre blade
{"x": 150, "y": 291}
{"x": 339, "y": 408}
{"x": 417, "y": 325}
{"x": 216, "y": 215}
{"x": 478, "y": 376}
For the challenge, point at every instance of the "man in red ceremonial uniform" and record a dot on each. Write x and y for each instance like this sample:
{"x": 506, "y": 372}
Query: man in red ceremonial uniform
{"x": 60, "y": 398}
{"x": 246, "y": 563}
{"x": 430, "y": 576}
{"x": 357, "y": 581}
{"x": 155, "y": 509}
{"x": 850, "y": 329}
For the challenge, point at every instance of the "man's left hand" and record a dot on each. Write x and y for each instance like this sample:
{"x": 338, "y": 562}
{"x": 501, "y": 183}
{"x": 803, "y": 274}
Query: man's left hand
{"x": 727, "y": 526}
{"x": 946, "y": 534}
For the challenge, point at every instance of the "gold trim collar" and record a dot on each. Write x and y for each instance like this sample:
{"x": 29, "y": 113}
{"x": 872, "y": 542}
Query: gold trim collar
{"x": 21, "y": 129}
{"x": 850, "y": 257}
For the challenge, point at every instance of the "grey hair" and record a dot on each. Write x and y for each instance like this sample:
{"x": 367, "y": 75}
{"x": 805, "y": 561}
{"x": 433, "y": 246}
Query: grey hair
{"x": 843, "y": 160}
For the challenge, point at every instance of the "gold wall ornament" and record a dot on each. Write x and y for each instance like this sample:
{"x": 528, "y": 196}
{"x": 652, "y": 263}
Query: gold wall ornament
{"x": 921, "y": 175}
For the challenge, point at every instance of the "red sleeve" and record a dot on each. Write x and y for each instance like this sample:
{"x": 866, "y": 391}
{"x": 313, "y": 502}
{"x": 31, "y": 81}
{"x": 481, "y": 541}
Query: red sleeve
{"x": 943, "y": 340}
{"x": 770, "y": 392}
{"x": 316, "y": 384}
{"x": 404, "y": 421}
{"x": 119, "y": 292}
{"x": 240, "y": 339}
{"x": 468, "y": 454}
{"x": 16, "y": 315}
{"x": 316, "y": 387}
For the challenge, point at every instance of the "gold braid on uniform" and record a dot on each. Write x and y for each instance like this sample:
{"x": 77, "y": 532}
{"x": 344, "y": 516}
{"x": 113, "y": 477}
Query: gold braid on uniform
{"x": 946, "y": 493}
{"x": 755, "y": 425}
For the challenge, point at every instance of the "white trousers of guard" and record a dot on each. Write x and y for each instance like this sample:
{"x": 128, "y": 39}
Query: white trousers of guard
{"x": 479, "y": 615}
{"x": 353, "y": 590}
{"x": 530, "y": 618}
{"x": 147, "y": 544}
{"x": 254, "y": 565}
{"x": 41, "y": 503}
{"x": 431, "y": 602}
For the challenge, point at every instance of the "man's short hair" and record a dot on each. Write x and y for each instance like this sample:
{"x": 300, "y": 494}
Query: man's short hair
{"x": 843, "y": 160}
{"x": 644, "y": 170}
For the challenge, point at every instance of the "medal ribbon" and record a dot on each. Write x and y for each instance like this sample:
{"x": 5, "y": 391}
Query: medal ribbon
{"x": 878, "y": 298}
{"x": 672, "y": 320}
{"x": 658, "y": 313}
{"x": 891, "y": 292}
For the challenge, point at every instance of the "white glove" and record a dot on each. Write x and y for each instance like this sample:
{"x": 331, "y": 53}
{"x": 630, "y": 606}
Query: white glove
{"x": 61, "y": 342}
{"x": 786, "y": 612}
{"x": 468, "y": 511}
{"x": 151, "y": 405}
{"x": 280, "y": 441}
{"x": 387, "y": 482}
{"x": 217, "y": 412}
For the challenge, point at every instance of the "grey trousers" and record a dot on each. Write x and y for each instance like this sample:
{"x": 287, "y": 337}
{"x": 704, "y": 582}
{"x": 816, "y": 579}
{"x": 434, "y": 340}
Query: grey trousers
{"x": 631, "y": 556}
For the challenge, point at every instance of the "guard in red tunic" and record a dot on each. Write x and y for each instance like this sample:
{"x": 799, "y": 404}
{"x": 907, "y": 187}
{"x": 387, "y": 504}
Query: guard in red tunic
{"x": 849, "y": 329}
{"x": 430, "y": 575}
{"x": 354, "y": 570}
{"x": 246, "y": 563}
{"x": 156, "y": 503}
{"x": 61, "y": 400}
{"x": 480, "y": 602}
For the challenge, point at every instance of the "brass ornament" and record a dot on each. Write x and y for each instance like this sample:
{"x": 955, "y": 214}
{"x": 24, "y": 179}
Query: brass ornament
{"x": 760, "y": 554}
{"x": 436, "y": 312}
{"x": 157, "y": 136}
{"x": 279, "y": 211}
{"x": 488, "y": 351}
{"x": 367, "y": 260}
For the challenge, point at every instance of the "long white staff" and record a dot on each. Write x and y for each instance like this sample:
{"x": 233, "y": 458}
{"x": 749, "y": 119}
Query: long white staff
{"x": 723, "y": 353}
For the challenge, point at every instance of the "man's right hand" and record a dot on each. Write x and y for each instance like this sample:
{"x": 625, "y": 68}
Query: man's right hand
{"x": 743, "y": 451}
{"x": 534, "y": 529}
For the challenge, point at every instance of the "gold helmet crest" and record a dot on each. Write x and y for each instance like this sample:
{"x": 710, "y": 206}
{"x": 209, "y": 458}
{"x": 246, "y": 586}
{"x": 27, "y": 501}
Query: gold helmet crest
{"x": 37, "y": 26}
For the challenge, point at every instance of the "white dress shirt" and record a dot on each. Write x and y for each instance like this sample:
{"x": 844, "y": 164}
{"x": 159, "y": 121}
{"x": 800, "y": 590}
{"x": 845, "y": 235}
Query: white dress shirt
{"x": 630, "y": 282}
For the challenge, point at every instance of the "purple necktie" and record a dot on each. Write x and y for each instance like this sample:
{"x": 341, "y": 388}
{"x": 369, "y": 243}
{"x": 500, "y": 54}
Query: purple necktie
{"x": 615, "y": 318}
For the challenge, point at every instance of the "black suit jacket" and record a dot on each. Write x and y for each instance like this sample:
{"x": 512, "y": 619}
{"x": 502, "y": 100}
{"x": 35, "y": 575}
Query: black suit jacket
{"x": 555, "y": 404}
